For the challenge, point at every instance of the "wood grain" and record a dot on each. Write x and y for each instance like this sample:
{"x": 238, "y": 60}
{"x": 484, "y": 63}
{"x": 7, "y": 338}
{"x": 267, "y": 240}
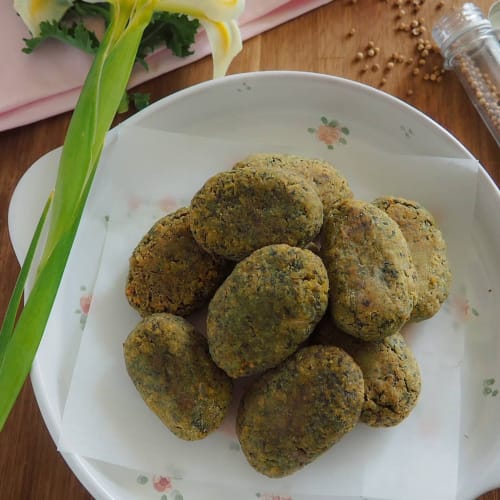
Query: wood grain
{"x": 30, "y": 467}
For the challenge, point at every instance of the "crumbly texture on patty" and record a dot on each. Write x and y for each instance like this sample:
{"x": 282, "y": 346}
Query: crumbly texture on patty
{"x": 428, "y": 251}
{"x": 329, "y": 183}
{"x": 169, "y": 364}
{"x": 170, "y": 272}
{"x": 239, "y": 211}
{"x": 266, "y": 308}
{"x": 371, "y": 273}
{"x": 390, "y": 371}
{"x": 297, "y": 411}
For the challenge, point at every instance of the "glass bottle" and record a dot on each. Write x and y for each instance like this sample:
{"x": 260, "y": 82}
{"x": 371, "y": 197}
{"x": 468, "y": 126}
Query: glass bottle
{"x": 471, "y": 47}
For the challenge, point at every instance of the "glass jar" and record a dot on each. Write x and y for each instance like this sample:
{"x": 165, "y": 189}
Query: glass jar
{"x": 471, "y": 47}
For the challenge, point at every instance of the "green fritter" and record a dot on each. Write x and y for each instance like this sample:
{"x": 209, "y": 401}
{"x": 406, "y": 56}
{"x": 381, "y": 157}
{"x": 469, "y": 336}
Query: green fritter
{"x": 170, "y": 272}
{"x": 266, "y": 308}
{"x": 390, "y": 371}
{"x": 297, "y": 411}
{"x": 169, "y": 364}
{"x": 330, "y": 184}
{"x": 239, "y": 211}
{"x": 428, "y": 251}
{"x": 371, "y": 273}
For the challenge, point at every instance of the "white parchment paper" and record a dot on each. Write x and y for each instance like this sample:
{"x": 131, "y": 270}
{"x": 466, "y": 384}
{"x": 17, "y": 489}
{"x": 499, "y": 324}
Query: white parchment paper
{"x": 155, "y": 172}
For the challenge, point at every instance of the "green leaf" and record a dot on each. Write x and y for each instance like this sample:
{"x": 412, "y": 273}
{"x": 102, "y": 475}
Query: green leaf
{"x": 345, "y": 130}
{"x": 333, "y": 123}
{"x": 124, "y": 103}
{"x": 10, "y": 315}
{"x": 81, "y": 10}
{"x": 174, "y": 31}
{"x": 76, "y": 35}
{"x": 342, "y": 140}
{"x": 142, "y": 479}
{"x": 26, "y": 336}
{"x": 141, "y": 100}
{"x": 99, "y": 100}
{"x": 324, "y": 120}
{"x": 311, "y": 130}
{"x": 330, "y": 146}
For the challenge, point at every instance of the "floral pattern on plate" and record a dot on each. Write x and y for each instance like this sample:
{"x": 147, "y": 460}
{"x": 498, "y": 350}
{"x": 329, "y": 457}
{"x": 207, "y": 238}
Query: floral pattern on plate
{"x": 330, "y": 132}
{"x": 161, "y": 484}
{"x": 85, "y": 302}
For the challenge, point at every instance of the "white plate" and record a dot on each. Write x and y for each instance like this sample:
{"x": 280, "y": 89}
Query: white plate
{"x": 281, "y": 108}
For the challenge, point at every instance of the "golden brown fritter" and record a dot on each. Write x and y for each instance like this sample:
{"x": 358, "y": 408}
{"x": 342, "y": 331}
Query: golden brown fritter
{"x": 267, "y": 306}
{"x": 372, "y": 277}
{"x": 297, "y": 411}
{"x": 428, "y": 251}
{"x": 329, "y": 183}
{"x": 390, "y": 371}
{"x": 169, "y": 364}
{"x": 170, "y": 272}
{"x": 239, "y": 211}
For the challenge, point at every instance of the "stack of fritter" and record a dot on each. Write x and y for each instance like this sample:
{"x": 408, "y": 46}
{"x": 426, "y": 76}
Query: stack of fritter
{"x": 319, "y": 331}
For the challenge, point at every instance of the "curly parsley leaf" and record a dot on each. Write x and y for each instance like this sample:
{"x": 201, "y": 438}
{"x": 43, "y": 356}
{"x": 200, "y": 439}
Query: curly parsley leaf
{"x": 140, "y": 100}
{"x": 76, "y": 35}
{"x": 82, "y": 9}
{"x": 174, "y": 31}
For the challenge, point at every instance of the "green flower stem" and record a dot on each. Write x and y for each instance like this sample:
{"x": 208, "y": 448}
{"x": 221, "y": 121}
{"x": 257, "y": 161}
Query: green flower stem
{"x": 99, "y": 100}
{"x": 15, "y": 300}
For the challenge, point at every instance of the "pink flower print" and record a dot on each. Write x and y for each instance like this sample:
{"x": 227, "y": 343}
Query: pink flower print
{"x": 133, "y": 203}
{"x": 168, "y": 204}
{"x": 461, "y": 308}
{"x": 330, "y": 132}
{"x": 162, "y": 483}
{"x": 328, "y": 135}
{"x": 228, "y": 426}
{"x": 266, "y": 496}
{"x": 85, "y": 301}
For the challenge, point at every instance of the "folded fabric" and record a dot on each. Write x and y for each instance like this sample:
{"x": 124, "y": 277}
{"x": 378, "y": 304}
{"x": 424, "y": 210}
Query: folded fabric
{"x": 48, "y": 82}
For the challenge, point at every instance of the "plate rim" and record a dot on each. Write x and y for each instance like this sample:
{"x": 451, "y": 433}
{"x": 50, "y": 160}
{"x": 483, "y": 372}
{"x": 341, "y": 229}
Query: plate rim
{"x": 81, "y": 466}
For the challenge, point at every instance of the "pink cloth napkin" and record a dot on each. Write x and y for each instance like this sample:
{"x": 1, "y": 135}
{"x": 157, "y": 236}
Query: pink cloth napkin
{"x": 47, "y": 82}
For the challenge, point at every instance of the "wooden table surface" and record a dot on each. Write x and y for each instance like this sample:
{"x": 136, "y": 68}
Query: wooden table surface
{"x": 325, "y": 40}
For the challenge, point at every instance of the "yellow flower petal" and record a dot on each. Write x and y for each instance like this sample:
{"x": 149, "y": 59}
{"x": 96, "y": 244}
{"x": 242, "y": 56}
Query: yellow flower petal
{"x": 216, "y": 10}
{"x": 218, "y": 17}
{"x": 225, "y": 40}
